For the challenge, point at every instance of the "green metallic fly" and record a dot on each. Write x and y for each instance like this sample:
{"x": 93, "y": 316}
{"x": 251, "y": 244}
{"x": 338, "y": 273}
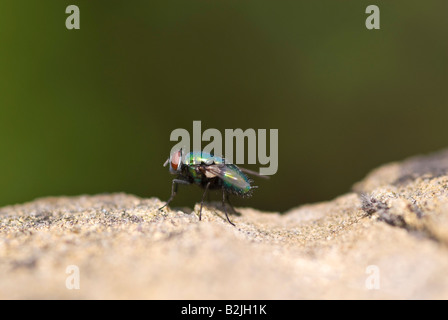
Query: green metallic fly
{"x": 210, "y": 173}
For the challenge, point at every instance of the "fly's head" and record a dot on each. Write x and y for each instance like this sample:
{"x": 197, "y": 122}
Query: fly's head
{"x": 175, "y": 162}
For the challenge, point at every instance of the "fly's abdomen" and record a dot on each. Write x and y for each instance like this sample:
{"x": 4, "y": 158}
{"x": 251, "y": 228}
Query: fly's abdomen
{"x": 236, "y": 181}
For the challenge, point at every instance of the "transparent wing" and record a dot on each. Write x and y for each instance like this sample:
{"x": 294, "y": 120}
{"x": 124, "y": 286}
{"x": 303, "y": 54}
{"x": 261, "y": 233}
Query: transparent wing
{"x": 253, "y": 173}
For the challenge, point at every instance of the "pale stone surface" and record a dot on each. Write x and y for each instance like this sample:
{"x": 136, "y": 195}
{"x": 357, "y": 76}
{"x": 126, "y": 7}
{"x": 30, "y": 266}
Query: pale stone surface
{"x": 391, "y": 232}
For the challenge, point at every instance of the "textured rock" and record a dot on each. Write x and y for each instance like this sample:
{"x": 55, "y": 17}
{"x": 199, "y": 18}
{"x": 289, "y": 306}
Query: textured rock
{"x": 391, "y": 231}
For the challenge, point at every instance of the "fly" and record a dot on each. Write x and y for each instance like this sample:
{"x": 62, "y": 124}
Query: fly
{"x": 210, "y": 173}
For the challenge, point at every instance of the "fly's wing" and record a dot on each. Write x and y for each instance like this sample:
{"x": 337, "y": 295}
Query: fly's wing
{"x": 228, "y": 174}
{"x": 253, "y": 173}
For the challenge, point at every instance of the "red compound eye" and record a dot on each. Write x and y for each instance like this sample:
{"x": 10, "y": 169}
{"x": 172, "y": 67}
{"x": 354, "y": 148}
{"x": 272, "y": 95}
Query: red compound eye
{"x": 175, "y": 160}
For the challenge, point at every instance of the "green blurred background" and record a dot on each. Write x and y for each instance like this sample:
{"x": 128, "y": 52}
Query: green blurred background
{"x": 90, "y": 111}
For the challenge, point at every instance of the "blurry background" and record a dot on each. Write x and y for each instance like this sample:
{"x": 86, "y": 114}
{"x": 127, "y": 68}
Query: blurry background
{"x": 90, "y": 111}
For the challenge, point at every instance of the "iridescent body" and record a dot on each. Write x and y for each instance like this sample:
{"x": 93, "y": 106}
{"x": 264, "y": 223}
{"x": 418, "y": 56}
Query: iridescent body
{"x": 209, "y": 172}
{"x": 232, "y": 179}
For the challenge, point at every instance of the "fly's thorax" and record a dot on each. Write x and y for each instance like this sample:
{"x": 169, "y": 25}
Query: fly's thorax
{"x": 192, "y": 172}
{"x": 198, "y": 157}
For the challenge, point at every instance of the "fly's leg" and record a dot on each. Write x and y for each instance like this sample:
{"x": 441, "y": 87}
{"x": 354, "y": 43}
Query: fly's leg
{"x": 174, "y": 190}
{"x": 231, "y": 205}
{"x": 224, "y": 197}
{"x": 202, "y": 201}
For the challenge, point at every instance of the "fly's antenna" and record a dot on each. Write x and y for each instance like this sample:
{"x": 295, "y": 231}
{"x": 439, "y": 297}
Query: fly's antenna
{"x": 166, "y": 162}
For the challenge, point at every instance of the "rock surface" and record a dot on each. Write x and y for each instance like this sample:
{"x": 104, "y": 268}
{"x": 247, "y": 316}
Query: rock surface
{"x": 386, "y": 240}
